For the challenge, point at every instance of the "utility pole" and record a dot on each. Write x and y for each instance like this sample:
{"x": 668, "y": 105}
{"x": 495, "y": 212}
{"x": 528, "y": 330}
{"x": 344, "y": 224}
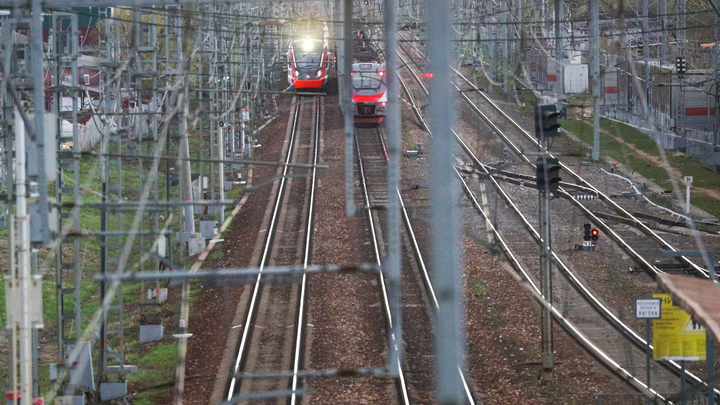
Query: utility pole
{"x": 715, "y": 67}
{"x": 664, "y": 45}
{"x": 558, "y": 48}
{"x": 646, "y": 57}
{"x": 505, "y": 40}
{"x": 491, "y": 47}
{"x": 185, "y": 174}
{"x": 595, "y": 74}
{"x": 22, "y": 277}
{"x": 681, "y": 8}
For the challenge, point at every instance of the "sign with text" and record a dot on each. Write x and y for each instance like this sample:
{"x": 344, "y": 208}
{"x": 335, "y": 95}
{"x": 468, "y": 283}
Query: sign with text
{"x": 676, "y": 336}
{"x": 648, "y": 308}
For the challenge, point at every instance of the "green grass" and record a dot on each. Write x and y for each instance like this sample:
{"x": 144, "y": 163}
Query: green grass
{"x": 478, "y": 287}
{"x": 156, "y": 367}
{"x": 215, "y": 255}
{"x": 703, "y": 174}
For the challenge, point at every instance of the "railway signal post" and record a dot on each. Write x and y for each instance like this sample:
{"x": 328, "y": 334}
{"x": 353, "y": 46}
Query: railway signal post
{"x": 647, "y": 308}
{"x": 547, "y": 169}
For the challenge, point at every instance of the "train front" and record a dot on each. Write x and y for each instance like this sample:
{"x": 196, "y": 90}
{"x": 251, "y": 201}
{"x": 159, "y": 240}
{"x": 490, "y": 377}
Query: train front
{"x": 369, "y": 93}
{"x": 308, "y": 64}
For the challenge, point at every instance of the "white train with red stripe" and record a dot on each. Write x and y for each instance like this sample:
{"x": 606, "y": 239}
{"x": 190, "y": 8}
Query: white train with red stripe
{"x": 309, "y": 61}
{"x": 369, "y": 93}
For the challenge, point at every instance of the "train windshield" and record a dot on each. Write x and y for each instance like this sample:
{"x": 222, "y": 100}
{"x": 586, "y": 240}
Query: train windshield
{"x": 366, "y": 80}
{"x": 307, "y": 53}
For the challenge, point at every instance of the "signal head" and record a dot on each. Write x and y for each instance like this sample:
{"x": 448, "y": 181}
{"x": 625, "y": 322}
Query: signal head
{"x": 595, "y": 236}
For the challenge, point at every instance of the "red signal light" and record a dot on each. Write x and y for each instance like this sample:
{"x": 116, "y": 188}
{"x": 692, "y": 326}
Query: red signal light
{"x": 595, "y": 232}
{"x": 381, "y": 74}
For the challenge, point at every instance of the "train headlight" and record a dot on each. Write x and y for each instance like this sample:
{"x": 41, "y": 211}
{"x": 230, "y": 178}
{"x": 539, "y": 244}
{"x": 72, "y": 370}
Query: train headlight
{"x": 319, "y": 72}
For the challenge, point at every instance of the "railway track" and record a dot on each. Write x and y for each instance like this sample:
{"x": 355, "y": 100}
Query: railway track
{"x": 520, "y": 139}
{"x": 373, "y": 182}
{"x": 266, "y": 344}
{"x": 577, "y": 285}
{"x": 417, "y": 289}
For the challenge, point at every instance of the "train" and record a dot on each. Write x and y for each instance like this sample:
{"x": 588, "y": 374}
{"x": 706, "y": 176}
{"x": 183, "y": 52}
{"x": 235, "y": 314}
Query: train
{"x": 369, "y": 91}
{"x": 309, "y": 60}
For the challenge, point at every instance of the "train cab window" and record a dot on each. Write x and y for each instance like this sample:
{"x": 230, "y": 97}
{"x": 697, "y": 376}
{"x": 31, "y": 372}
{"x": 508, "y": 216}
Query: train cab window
{"x": 307, "y": 52}
{"x": 366, "y": 80}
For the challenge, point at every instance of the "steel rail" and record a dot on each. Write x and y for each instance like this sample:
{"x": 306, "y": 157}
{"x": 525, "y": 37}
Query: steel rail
{"x": 626, "y": 330}
{"x": 378, "y": 260}
{"x": 299, "y": 336}
{"x": 606, "y": 228}
{"x": 252, "y": 309}
{"x": 587, "y": 295}
{"x": 647, "y": 265}
{"x": 600, "y": 194}
{"x": 421, "y": 262}
{"x": 568, "y": 326}
{"x": 582, "y": 290}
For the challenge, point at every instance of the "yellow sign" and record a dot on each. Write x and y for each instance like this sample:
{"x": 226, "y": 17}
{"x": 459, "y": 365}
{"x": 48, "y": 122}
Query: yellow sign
{"x": 676, "y": 336}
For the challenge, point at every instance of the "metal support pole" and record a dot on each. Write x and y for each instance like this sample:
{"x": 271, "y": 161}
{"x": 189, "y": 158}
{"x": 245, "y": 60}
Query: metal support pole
{"x": 709, "y": 342}
{"x": 547, "y": 357}
{"x": 504, "y": 27}
{"x": 347, "y": 107}
{"x": 491, "y": 47}
{"x": 185, "y": 174}
{"x": 221, "y": 171}
{"x": 35, "y": 343}
{"x": 559, "y": 48}
{"x": 680, "y": 121}
{"x": 646, "y": 57}
{"x": 648, "y": 354}
{"x": 595, "y": 74}
{"x": 393, "y": 130}
{"x": 446, "y": 246}
{"x": 23, "y": 266}
{"x": 664, "y": 45}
